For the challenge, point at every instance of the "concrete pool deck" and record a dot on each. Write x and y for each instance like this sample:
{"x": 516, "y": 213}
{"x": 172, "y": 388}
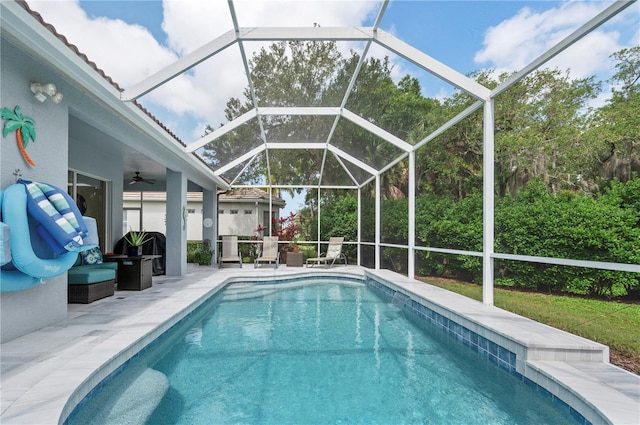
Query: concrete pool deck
{"x": 46, "y": 373}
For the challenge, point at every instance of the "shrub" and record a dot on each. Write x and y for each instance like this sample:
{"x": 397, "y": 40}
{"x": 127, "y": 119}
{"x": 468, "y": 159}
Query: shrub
{"x": 201, "y": 257}
{"x": 536, "y": 223}
{"x": 199, "y": 252}
{"x": 571, "y": 226}
{"x": 443, "y": 223}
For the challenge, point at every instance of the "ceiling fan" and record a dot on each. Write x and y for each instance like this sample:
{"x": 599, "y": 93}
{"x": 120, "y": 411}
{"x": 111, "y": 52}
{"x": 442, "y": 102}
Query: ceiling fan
{"x": 138, "y": 178}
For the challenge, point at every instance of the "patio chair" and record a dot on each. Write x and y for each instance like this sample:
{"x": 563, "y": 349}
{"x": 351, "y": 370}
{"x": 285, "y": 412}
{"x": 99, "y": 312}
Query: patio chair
{"x": 334, "y": 252}
{"x": 229, "y": 252}
{"x": 270, "y": 253}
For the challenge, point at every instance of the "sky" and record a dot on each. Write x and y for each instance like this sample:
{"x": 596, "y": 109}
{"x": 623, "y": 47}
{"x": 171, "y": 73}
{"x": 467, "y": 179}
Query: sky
{"x": 131, "y": 40}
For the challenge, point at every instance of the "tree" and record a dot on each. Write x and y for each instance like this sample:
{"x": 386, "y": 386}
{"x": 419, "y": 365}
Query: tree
{"x": 315, "y": 74}
{"x": 614, "y": 132}
{"x": 538, "y": 124}
{"x": 283, "y": 74}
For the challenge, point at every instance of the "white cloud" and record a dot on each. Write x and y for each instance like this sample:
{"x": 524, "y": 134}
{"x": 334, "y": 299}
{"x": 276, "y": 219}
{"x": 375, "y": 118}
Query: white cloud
{"x": 129, "y": 53}
{"x": 515, "y": 42}
{"x": 191, "y": 24}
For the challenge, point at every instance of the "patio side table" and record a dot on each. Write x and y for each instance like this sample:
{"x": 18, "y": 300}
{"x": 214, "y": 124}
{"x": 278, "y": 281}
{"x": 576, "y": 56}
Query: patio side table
{"x": 294, "y": 259}
{"x": 134, "y": 273}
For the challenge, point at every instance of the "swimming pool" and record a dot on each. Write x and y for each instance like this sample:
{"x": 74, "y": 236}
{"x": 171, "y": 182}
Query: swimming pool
{"x": 313, "y": 351}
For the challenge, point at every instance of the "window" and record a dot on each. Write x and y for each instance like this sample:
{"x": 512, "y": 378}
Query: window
{"x": 191, "y": 210}
{"x": 220, "y": 211}
{"x": 233, "y": 211}
{"x": 248, "y": 211}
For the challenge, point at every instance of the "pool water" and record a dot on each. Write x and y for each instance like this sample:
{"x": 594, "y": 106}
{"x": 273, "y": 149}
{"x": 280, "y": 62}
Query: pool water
{"x": 311, "y": 352}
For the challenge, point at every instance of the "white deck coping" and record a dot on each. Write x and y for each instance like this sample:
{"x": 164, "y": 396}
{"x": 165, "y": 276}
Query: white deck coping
{"x": 46, "y": 373}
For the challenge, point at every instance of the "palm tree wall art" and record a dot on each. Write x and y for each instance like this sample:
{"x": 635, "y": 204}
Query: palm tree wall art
{"x": 24, "y": 128}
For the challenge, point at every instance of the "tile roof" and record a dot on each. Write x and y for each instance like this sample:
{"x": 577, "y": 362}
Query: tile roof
{"x": 234, "y": 194}
{"x": 99, "y": 70}
{"x": 249, "y": 193}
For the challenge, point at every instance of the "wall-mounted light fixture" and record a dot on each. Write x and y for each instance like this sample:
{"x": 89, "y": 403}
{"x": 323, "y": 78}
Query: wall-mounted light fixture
{"x": 41, "y": 91}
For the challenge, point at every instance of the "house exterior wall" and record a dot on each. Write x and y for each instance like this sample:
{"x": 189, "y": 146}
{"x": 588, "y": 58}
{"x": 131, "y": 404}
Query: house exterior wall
{"x": 240, "y": 218}
{"x": 41, "y": 305}
{"x": 241, "y": 224}
{"x": 90, "y": 131}
{"x": 94, "y": 159}
{"x": 155, "y": 216}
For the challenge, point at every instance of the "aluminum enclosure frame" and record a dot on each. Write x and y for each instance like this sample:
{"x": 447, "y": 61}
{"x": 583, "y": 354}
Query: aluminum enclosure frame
{"x": 485, "y": 99}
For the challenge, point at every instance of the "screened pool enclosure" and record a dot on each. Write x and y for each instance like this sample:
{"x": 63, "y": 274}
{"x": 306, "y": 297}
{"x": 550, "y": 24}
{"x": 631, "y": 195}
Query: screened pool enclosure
{"x": 315, "y": 132}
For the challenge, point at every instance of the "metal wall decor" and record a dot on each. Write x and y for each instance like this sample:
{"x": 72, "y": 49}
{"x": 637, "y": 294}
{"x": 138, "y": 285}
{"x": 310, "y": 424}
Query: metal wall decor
{"x": 24, "y": 128}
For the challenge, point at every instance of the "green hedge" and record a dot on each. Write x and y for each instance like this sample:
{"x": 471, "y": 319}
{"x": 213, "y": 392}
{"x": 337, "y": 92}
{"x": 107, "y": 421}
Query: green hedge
{"x": 572, "y": 226}
{"x": 536, "y": 223}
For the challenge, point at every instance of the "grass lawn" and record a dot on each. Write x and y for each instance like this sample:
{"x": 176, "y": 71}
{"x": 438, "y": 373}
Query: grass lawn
{"x": 612, "y": 323}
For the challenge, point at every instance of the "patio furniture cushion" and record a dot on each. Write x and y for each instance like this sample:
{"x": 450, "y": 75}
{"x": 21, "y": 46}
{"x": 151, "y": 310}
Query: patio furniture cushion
{"x": 86, "y": 275}
{"x": 92, "y": 256}
{"x": 113, "y": 265}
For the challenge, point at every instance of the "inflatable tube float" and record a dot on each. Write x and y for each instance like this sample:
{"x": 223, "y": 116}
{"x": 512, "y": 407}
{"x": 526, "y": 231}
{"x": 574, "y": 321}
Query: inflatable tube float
{"x": 60, "y": 223}
{"x": 26, "y": 268}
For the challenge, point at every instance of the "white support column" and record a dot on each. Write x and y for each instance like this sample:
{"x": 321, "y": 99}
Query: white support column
{"x": 359, "y": 250}
{"x": 209, "y": 226}
{"x": 318, "y": 235}
{"x": 377, "y": 222}
{"x": 411, "y": 266}
{"x": 271, "y": 223}
{"x": 176, "y": 224}
{"x": 488, "y": 189}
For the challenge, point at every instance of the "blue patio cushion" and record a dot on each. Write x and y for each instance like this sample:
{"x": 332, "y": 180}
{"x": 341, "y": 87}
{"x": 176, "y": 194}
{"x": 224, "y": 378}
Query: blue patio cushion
{"x": 112, "y": 265}
{"x": 86, "y": 275}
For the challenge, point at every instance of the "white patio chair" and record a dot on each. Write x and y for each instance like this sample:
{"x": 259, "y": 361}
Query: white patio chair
{"x": 229, "y": 253}
{"x": 270, "y": 253}
{"x": 334, "y": 252}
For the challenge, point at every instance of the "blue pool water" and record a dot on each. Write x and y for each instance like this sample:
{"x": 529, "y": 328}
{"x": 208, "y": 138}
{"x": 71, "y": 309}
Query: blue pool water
{"x": 311, "y": 352}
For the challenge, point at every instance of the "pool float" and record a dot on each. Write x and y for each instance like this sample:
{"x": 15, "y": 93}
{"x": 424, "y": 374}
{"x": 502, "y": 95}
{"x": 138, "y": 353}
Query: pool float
{"x": 26, "y": 268}
{"x": 60, "y": 223}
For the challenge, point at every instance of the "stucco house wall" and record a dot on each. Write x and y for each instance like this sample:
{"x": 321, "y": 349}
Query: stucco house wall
{"x": 91, "y": 132}
{"x": 41, "y": 305}
{"x": 155, "y": 213}
{"x": 236, "y": 216}
{"x": 91, "y": 155}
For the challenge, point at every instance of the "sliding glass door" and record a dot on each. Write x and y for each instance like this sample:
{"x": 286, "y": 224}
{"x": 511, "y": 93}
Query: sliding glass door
{"x": 90, "y": 193}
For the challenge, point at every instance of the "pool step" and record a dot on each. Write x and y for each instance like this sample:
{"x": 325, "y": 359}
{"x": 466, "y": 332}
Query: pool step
{"x": 135, "y": 404}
